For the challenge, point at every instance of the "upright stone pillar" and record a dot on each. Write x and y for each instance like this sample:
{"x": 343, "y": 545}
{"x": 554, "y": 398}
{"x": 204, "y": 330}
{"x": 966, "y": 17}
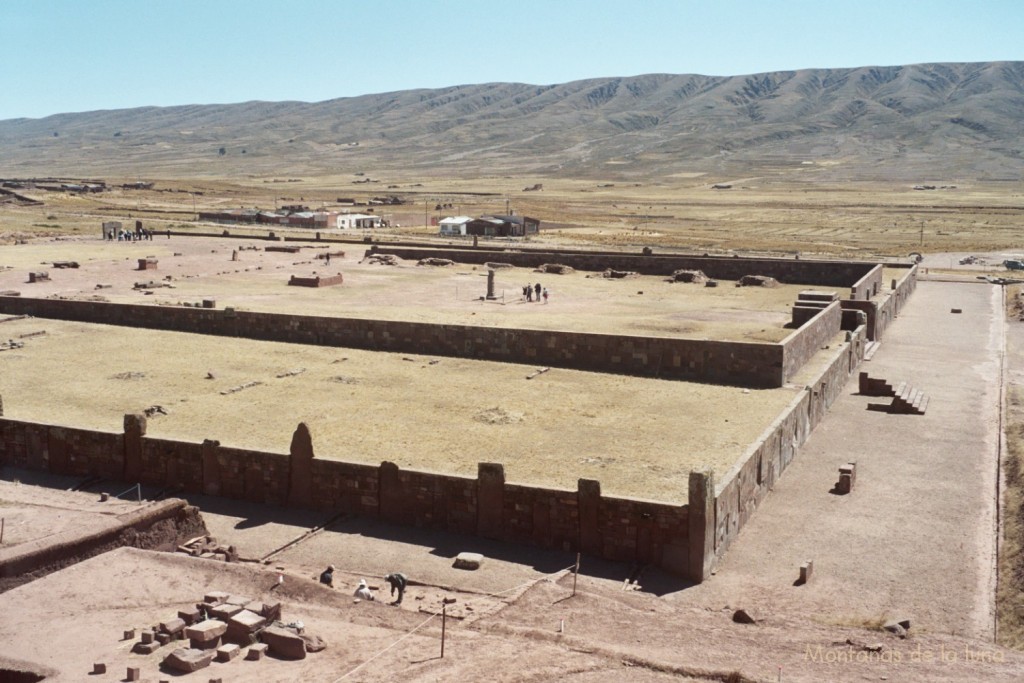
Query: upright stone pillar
{"x": 490, "y": 500}
{"x": 300, "y": 467}
{"x": 1, "y": 406}
{"x": 588, "y": 497}
{"x": 134, "y": 430}
{"x": 490, "y": 285}
{"x": 701, "y": 520}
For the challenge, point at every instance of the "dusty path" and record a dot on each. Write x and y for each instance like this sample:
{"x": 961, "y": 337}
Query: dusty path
{"x": 916, "y": 536}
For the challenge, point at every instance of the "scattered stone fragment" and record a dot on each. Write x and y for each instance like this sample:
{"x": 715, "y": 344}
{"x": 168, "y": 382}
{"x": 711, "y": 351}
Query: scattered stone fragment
{"x": 188, "y": 659}
{"x": 613, "y": 274}
{"x": 225, "y": 653}
{"x": 895, "y": 628}
{"x": 741, "y": 616}
{"x": 434, "y": 261}
{"x": 470, "y": 561}
{"x": 313, "y": 643}
{"x": 757, "y": 281}
{"x": 99, "y": 668}
{"x": 256, "y": 651}
{"x": 133, "y": 673}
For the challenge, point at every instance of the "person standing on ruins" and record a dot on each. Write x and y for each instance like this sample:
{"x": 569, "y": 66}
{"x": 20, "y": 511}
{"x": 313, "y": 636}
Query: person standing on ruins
{"x": 536, "y": 289}
{"x": 545, "y": 295}
{"x": 398, "y": 582}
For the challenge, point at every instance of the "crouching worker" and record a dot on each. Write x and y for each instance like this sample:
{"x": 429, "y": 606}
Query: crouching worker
{"x": 363, "y": 591}
{"x": 397, "y": 582}
{"x": 327, "y": 576}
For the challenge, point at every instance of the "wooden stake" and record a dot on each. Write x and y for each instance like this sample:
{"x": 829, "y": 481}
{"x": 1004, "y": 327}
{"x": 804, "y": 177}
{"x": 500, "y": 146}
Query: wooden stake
{"x": 575, "y": 573}
{"x": 444, "y": 622}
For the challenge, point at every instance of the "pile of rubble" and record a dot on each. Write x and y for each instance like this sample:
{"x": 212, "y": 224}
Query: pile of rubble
{"x": 613, "y": 274}
{"x": 757, "y": 281}
{"x": 696, "y": 276}
{"x": 207, "y": 548}
{"x": 221, "y": 628}
{"x": 555, "y": 269}
{"x": 383, "y": 259}
{"x": 433, "y": 261}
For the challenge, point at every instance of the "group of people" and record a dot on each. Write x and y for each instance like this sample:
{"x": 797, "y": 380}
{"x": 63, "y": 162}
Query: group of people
{"x": 396, "y": 580}
{"x": 530, "y": 292}
{"x": 137, "y": 235}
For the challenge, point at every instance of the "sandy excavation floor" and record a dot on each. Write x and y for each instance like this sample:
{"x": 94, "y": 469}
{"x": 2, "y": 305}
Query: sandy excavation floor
{"x": 203, "y": 268}
{"x": 639, "y": 437}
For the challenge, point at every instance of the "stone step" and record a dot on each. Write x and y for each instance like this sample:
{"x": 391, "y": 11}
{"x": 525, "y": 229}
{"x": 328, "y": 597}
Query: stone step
{"x": 870, "y": 348}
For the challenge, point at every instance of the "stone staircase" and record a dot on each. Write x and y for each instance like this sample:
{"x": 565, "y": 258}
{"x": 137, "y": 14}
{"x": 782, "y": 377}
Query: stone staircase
{"x": 906, "y": 400}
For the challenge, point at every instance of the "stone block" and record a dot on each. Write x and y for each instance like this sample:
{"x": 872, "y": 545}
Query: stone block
{"x": 163, "y": 638}
{"x": 271, "y": 611}
{"x": 129, "y": 634}
{"x": 215, "y": 597}
{"x": 284, "y": 643}
{"x": 237, "y": 600}
{"x": 225, "y": 653}
{"x": 172, "y": 626}
{"x": 146, "y": 637}
{"x": 134, "y": 673}
{"x": 188, "y": 660}
{"x": 244, "y": 624}
{"x": 225, "y": 611}
{"x": 206, "y": 631}
{"x": 468, "y": 560}
{"x": 99, "y": 668}
{"x": 256, "y": 651}
{"x": 141, "y": 648}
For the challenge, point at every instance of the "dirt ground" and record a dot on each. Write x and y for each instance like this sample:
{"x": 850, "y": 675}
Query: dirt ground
{"x": 515, "y": 619}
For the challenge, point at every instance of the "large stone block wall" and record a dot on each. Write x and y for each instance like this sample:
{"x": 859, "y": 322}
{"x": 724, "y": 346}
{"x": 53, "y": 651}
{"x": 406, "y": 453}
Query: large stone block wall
{"x": 882, "y": 311}
{"x": 868, "y": 286}
{"x": 790, "y": 271}
{"x": 722, "y": 362}
{"x": 749, "y": 482}
{"x": 607, "y": 527}
{"x": 809, "y": 338}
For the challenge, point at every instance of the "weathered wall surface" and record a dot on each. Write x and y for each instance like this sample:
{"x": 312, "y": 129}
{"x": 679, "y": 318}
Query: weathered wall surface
{"x": 790, "y": 271}
{"x": 881, "y": 312}
{"x": 868, "y": 286}
{"x": 613, "y": 528}
{"x": 808, "y": 339}
{"x": 746, "y": 485}
{"x": 735, "y": 363}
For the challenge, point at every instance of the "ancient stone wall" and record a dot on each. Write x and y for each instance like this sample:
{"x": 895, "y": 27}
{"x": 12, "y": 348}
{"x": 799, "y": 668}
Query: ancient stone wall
{"x": 749, "y": 481}
{"x": 882, "y": 311}
{"x": 868, "y": 286}
{"x": 809, "y": 338}
{"x": 612, "y": 528}
{"x": 789, "y": 271}
{"x": 721, "y": 362}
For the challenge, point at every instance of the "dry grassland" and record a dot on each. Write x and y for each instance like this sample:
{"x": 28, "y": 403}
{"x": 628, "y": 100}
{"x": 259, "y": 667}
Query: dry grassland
{"x": 639, "y": 437}
{"x": 763, "y": 214}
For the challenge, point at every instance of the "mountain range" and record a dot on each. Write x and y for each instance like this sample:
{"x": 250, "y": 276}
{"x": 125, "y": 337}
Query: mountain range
{"x": 916, "y": 122}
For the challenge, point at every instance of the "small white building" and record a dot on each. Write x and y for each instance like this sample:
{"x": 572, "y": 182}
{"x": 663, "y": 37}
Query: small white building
{"x": 358, "y": 221}
{"x": 454, "y": 225}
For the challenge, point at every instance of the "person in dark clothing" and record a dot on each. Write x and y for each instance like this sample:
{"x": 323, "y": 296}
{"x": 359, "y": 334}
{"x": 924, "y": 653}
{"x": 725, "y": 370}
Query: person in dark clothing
{"x": 536, "y": 289}
{"x": 398, "y": 582}
{"x": 327, "y": 576}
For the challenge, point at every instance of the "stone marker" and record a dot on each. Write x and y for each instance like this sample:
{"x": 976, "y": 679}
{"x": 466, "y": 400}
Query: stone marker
{"x": 468, "y": 560}
{"x": 188, "y": 659}
{"x": 806, "y": 569}
{"x": 256, "y": 651}
{"x": 847, "y": 478}
{"x": 133, "y": 673}
{"x": 284, "y": 643}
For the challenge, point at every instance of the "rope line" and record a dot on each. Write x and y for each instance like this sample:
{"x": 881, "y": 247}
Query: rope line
{"x": 434, "y": 616}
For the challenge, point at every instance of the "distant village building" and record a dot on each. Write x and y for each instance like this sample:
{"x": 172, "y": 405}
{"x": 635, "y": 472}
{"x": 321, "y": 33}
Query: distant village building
{"x": 359, "y": 221}
{"x": 490, "y": 226}
{"x": 454, "y": 225}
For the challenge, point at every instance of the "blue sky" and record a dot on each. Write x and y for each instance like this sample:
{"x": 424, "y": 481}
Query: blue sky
{"x": 80, "y": 55}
